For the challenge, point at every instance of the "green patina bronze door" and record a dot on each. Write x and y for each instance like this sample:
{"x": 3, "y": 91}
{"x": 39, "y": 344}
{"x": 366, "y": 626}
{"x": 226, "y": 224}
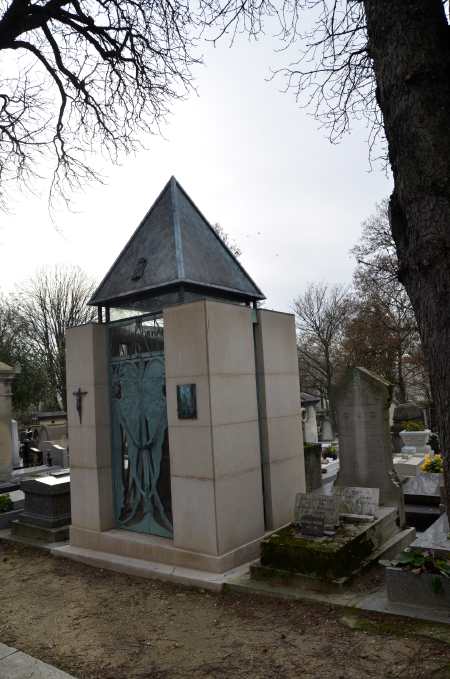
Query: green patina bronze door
{"x": 140, "y": 442}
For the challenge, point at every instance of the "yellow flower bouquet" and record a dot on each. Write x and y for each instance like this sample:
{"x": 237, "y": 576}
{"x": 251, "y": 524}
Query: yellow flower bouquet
{"x": 432, "y": 464}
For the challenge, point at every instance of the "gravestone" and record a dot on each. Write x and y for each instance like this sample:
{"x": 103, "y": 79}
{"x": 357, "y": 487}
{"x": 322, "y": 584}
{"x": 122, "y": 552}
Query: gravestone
{"x": 362, "y": 502}
{"x": 327, "y": 430}
{"x": 313, "y": 466}
{"x": 316, "y": 514}
{"x": 408, "y": 412}
{"x": 365, "y": 457}
{"x": 55, "y": 455}
{"x": 309, "y": 417}
{"x": 16, "y": 461}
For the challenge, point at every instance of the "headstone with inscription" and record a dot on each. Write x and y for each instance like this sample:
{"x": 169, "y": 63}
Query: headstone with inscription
{"x": 361, "y": 502}
{"x": 365, "y": 458}
{"x": 316, "y": 514}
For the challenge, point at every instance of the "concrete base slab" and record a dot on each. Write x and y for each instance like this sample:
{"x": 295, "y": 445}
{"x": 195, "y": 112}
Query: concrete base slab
{"x": 29, "y": 531}
{"x": 379, "y": 602}
{"x": 374, "y": 601}
{"x": 435, "y": 538}
{"x": 17, "y": 665}
{"x": 6, "y": 535}
{"x": 248, "y": 585}
{"x": 6, "y": 518}
{"x": 153, "y": 548}
{"x": 8, "y": 486}
{"x": 150, "y": 569}
{"x": 6, "y": 650}
{"x": 25, "y": 472}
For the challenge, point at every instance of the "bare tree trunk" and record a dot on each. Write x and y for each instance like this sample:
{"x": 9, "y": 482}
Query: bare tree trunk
{"x": 409, "y": 43}
{"x": 400, "y": 376}
{"x": 329, "y": 379}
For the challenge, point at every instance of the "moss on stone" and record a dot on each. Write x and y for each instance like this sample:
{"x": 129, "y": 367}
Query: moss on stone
{"x": 326, "y": 558}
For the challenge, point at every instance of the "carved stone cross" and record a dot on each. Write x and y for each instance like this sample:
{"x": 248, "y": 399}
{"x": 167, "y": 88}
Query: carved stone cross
{"x": 78, "y": 401}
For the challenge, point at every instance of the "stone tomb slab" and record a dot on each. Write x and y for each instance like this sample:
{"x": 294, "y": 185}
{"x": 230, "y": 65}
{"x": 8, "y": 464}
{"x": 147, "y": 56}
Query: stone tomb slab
{"x": 408, "y": 465}
{"x": 435, "y": 538}
{"x": 46, "y": 515}
{"x": 423, "y": 489}
{"x": 327, "y": 558}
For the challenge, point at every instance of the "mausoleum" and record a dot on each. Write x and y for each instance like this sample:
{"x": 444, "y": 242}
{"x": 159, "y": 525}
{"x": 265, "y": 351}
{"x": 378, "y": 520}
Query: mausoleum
{"x": 183, "y": 404}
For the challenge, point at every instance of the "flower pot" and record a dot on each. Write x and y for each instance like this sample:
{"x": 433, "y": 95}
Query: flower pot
{"x": 425, "y": 589}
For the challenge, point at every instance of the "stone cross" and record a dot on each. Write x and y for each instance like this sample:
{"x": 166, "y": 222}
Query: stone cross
{"x": 78, "y": 401}
{"x": 365, "y": 455}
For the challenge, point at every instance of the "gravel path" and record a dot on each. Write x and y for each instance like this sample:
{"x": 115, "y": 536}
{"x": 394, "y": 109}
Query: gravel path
{"x": 96, "y": 624}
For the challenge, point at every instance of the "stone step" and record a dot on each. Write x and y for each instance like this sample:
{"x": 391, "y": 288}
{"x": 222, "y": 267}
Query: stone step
{"x": 17, "y": 665}
{"x": 388, "y": 527}
{"x": 396, "y": 544}
{"x": 150, "y": 569}
{"x": 422, "y": 509}
{"x": 422, "y": 500}
{"x": 421, "y": 516}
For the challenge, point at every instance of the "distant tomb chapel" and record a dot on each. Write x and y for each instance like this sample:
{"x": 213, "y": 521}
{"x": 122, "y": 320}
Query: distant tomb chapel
{"x": 183, "y": 405}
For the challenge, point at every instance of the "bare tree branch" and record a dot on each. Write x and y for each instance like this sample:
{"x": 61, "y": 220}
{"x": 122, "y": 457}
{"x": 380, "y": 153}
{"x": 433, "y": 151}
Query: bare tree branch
{"x": 46, "y": 306}
{"x": 115, "y": 68}
{"x": 322, "y": 313}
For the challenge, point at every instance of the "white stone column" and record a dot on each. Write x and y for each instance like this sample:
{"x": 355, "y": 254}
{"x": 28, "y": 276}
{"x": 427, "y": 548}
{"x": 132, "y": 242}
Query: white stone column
{"x": 215, "y": 459}
{"x": 7, "y": 375}
{"x": 280, "y": 415}
{"x": 90, "y": 433}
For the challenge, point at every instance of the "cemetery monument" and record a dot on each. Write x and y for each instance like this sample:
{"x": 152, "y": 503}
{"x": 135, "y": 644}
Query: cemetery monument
{"x": 334, "y": 535}
{"x": 184, "y": 418}
{"x": 362, "y": 408}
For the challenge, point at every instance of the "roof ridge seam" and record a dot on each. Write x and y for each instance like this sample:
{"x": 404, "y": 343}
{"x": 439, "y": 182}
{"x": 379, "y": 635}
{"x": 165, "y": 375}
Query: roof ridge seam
{"x": 177, "y": 229}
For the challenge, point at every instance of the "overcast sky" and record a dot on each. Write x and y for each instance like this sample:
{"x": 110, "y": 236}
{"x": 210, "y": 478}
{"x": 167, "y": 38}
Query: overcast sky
{"x": 250, "y": 159}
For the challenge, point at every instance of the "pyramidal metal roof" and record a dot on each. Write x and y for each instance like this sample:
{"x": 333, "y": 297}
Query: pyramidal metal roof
{"x": 174, "y": 248}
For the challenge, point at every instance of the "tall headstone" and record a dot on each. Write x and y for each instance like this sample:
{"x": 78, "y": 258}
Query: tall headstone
{"x": 365, "y": 458}
{"x": 15, "y": 444}
{"x": 7, "y": 375}
{"x": 327, "y": 430}
{"x": 310, "y": 425}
